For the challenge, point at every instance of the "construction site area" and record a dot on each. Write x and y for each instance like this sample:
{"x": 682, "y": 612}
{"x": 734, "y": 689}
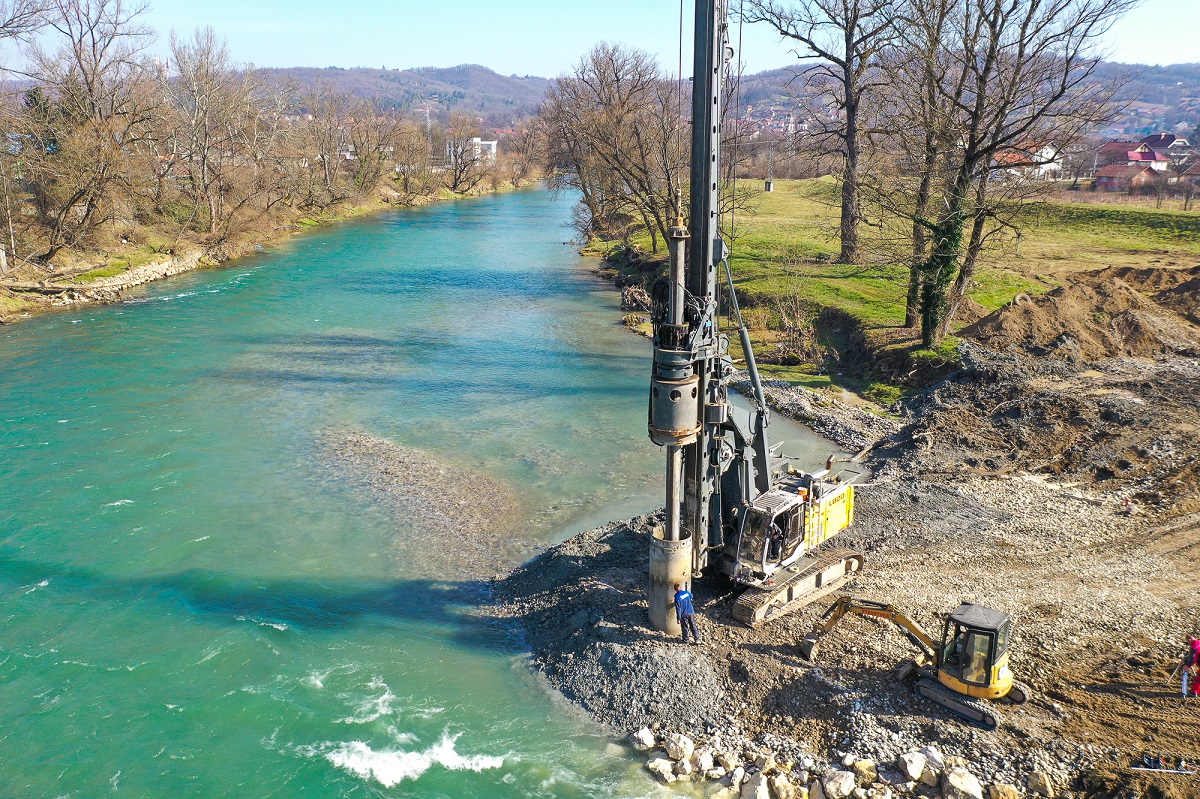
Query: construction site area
{"x": 1053, "y": 478}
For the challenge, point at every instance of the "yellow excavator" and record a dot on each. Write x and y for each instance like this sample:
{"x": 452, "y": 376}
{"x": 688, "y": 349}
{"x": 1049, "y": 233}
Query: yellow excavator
{"x": 970, "y": 664}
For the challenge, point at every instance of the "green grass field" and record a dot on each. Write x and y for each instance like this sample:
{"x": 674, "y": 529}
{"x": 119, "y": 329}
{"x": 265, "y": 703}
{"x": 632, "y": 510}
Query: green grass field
{"x": 783, "y": 249}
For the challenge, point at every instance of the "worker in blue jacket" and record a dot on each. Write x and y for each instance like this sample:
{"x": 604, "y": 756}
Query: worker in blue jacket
{"x": 685, "y": 614}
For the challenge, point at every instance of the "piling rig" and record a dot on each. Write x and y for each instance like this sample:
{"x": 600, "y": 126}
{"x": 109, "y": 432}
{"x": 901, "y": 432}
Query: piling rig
{"x": 731, "y": 502}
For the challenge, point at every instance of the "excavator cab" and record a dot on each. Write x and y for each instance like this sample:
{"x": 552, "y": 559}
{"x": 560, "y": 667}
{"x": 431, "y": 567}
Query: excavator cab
{"x": 973, "y": 658}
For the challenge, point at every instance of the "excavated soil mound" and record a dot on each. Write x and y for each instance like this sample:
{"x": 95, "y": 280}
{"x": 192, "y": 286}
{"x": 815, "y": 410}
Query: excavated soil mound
{"x": 1127, "y": 425}
{"x": 1099, "y": 317}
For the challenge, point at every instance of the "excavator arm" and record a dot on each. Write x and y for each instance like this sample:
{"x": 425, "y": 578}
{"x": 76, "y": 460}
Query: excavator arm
{"x": 866, "y": 607}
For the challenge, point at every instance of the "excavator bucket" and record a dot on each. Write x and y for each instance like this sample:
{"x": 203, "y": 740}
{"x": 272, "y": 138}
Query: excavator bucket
{"x": 808, "y": 648}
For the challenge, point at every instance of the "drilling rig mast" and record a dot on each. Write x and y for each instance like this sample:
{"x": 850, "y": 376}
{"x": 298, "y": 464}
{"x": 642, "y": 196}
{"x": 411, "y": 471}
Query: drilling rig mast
{"x": 726, "y": 494}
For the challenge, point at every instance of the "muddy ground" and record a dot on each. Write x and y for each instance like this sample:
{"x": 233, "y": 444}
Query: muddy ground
{"x": 1005, "y": 484}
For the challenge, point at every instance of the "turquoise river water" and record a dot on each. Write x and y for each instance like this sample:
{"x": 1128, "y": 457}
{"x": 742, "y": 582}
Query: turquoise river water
{"x": 192, "y": 606}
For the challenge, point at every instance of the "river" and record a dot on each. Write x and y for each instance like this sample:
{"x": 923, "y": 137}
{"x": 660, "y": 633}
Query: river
{"x": 192, "y": 604}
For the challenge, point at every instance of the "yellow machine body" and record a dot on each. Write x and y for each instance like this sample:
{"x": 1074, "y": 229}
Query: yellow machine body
{"x": 828, "y": 515}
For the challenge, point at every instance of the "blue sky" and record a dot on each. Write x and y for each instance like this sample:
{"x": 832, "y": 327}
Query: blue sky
{"x": 541, "y": 37}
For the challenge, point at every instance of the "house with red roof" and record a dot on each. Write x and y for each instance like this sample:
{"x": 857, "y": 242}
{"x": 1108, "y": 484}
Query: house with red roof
{"x": 1124, "y": 177}
{"x": 1031, "y": 161}
{"x": 1132, "y": 153}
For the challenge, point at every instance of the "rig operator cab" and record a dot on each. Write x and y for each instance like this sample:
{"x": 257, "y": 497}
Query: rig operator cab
{"x": 782, "y": 525}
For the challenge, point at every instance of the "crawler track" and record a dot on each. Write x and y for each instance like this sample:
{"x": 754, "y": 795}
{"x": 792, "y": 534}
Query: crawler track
{"x": 807, "y": 581}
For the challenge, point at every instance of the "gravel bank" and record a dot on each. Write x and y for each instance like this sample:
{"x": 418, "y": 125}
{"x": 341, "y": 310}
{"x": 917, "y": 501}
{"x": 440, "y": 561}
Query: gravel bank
{"x": 437, "y": 503}
{"x": 1098, "y": 619}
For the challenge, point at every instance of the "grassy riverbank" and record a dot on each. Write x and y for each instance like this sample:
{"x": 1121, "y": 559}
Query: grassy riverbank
{"x": 782, "y": 262}
{"x": 76, "y": 277}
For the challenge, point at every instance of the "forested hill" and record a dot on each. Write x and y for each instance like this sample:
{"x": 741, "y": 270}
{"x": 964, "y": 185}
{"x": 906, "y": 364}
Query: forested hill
{"x": 467, "y": 88}
{"x": 1160, "y": 97}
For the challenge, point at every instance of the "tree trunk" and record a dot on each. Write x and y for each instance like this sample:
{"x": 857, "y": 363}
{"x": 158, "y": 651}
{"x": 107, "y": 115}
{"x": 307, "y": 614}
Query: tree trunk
{"x": 850, "y": 210}
{"x": 966, "y": 272}
{"x": 941, "y": 266}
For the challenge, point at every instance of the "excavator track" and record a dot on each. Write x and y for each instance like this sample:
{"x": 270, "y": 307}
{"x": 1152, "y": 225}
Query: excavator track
{"x": 965, "y": 708}
{"x": 803, "y": 583}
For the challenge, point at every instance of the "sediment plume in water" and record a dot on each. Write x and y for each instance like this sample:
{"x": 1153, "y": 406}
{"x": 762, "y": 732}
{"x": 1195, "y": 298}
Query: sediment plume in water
{"x": 459, "y": 523}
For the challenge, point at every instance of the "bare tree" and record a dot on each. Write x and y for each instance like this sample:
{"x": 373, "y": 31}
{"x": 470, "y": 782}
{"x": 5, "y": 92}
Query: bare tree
{"x": 466, "y": 164}
{"x": 412, "y": 160}
{"x": 847, "y": 37}
{"x": 614, "y": 122}
{"x": 96, "y": 107}
{"x": 226, "y": 126}
{"x": 1005, "y": 73}
{"x": 19, "y": 18}
{"x": 372, "y": 136}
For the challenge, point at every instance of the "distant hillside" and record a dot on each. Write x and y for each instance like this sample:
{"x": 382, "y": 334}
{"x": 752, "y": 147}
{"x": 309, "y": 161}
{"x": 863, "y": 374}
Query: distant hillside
{"x": 1158, "y": 98}
{"x": 468, "y": 88}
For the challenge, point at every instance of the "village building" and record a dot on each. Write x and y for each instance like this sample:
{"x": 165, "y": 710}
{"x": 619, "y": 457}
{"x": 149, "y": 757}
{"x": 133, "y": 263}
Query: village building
{"x": 1124, "y": 177}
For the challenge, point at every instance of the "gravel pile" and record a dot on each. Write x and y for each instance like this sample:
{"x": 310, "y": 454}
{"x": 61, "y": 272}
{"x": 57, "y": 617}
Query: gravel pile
{"x": 853, "y": 428}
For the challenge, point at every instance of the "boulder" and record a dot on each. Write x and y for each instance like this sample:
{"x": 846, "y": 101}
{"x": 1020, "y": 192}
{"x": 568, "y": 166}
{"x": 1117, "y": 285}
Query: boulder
{"x": 958, "y": 783}
{"x": 930, "y": 777}
{"x": 1003, "y": 792}
{"x": 1040, "y": 783}
{"x": 684, "y": 768}
{"x": 702, "y": 759}
{"x": 859, "y": 793}
{"x": 724, "y": 793}
{"x": 756, "y": 787}
{"x": 865, "y": 771}
{"x": 765, "y": 762}
{"x": 736, "y": 776}
{"x": 678, "y": 746}
{"x": 839, "y": 784}
{"x": 642, "y": 740}
{"x": 781, "y": 787}
{"x": 729, "y": 760}
{"x": 816, "y": 790}
{"x": 880, "y": 792}
{"x": 911, "y": 765}
{"x": 933, "y": 758}
{"x": 714, "y": 773}
{"x": 662, "y": 768}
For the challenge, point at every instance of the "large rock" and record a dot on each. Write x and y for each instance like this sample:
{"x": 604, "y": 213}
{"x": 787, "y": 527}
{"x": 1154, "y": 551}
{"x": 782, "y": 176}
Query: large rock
{"x": 765, "y": 762}
{"x": 1003, "y": 792}
{"x": 816, "y": 790}
{"x": 736, "y": 776}
{"x": 678, "y": 746}
{"x": 911, "y": 765}
{"x": 839, "y": 784}
{"x": 933, "y": 758}
{"x": 724, "y": 793}
{"x": 662, "y": 768}
{"x": 865, "y": 771}
{"x": 1040, "y": 783}
{"x": 684, "y": 768}
{"x": 756, "y": 787}
{"x": 642, "y": 740}
{"x": 729, "y": 760}
{"x": 958, "y": 783}
{"x": 702, "y": 759}
{"x": 781, "y": 787}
